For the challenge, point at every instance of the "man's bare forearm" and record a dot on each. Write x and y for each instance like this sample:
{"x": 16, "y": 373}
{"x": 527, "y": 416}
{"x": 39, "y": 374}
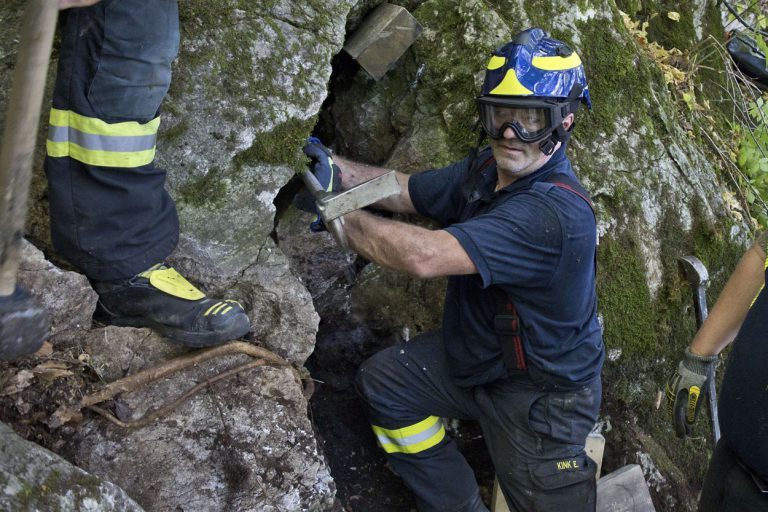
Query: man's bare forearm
{"x": 726, "y": 317}
{"x": 354, "y": 173}
{"x": 412, "y": 249}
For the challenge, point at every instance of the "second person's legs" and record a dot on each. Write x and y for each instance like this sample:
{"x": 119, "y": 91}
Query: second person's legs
{"x": 111, "y": 216}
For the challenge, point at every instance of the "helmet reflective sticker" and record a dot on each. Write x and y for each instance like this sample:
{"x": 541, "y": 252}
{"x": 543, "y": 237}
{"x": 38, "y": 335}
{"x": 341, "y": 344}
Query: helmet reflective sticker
{"x": 558, "y": 63}
{"x": 496, "y": 62}
{"x": 511, "y": 86}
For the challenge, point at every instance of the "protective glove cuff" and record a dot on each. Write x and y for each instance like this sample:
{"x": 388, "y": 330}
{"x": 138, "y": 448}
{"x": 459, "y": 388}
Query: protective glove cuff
{"x": 697, "y": 364}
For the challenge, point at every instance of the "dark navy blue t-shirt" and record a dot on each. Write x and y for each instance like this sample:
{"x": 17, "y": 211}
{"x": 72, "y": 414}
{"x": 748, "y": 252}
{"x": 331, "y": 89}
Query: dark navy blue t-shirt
{"x": 743, "y": 402}
{"x": 534, "y": 240}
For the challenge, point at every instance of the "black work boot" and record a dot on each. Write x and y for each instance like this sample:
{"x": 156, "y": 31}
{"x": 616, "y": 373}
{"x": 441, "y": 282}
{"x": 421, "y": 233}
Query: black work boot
{"x": 160, "y": 298}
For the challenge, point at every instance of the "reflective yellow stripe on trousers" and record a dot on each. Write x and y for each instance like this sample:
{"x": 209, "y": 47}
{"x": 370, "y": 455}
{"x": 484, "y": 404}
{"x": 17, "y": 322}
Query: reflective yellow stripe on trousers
{"x": 95, "y": 142}
{"x": 412, "y": 439}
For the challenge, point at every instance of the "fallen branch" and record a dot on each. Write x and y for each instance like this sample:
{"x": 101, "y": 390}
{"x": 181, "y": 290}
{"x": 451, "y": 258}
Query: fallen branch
{"x": 134, "y": 382}
{"x": 166, "y": 409}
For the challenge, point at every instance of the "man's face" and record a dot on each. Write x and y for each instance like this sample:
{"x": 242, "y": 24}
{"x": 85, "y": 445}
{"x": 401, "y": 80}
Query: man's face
{"x": 515, "y": 158}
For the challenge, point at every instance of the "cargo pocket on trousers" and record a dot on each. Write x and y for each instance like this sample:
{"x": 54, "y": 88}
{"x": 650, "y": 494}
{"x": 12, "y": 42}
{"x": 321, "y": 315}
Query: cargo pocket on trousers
{"x": 565, "y": 482}
{"x": 141, "y": 39}
{"x": 565, "y": 417}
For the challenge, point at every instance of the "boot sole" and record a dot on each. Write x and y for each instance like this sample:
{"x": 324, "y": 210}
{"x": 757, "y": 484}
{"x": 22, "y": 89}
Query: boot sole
{"x": 187, "y": 338}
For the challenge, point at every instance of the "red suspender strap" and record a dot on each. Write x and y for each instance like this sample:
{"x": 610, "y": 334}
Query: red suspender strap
{"x": 506, "y": 323}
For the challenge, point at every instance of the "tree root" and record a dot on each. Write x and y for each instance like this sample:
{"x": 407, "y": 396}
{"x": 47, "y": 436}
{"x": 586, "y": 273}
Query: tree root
{"x": 143, "y": 378}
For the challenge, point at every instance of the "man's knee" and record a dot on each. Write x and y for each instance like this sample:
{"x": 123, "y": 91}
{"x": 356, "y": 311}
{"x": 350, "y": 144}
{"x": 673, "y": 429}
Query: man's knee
{"x": 373, "y": 376}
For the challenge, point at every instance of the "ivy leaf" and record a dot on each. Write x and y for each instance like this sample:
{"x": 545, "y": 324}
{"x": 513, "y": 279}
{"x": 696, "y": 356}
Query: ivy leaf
{"x": 674, "y": 16}
{"x": 688, "y": 99}
{"x": 742, "y": 159}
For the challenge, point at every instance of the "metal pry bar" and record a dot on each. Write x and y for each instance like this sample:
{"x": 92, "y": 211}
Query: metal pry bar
{"x": 698, "y": 278}
{"x": 336, "y": 205}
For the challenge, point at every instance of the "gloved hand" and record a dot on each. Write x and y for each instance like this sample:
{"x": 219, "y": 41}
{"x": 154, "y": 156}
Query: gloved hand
{"x": 685, "y": 389}
{"x": 322, "y": 166}
{"x": 327, "y": 173}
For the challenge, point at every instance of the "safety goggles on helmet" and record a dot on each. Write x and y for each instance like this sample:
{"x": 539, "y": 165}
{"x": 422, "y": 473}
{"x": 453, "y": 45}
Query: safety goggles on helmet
{"x": 530, "y": 119}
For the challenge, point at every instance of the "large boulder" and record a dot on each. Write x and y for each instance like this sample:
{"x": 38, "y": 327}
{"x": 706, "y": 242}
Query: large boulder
{"x": 33, "y": 478}
{"x": 243, "y": 443}
{"x": 248, "y": 85}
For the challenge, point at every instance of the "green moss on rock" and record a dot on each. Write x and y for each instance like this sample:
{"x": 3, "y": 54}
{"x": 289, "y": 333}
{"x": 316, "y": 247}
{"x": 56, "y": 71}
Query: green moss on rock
{"x": 58, "y": 489}
{"x": 713, "y": 246}
{"x": 457, "y": 51}
{"x": 665, "y": 30}
{"x": 280, "y": 146}
{"x": 206, "y": 190}
{"x": 625, "y": 302}
{"x": 620, "y": 80}
{"x": 176, "y": 131}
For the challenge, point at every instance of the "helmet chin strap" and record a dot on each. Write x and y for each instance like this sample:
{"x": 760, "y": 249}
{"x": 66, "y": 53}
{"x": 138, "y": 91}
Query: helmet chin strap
{"x": 560, "y": 134}
{"x": 548, "y": 145}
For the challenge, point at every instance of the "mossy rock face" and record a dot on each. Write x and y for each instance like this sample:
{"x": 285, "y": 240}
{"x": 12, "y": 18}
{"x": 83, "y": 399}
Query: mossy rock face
{"x": 247, "y": 86}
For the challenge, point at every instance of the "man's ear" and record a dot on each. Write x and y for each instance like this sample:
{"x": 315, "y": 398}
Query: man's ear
{"x": 568, "y": 121}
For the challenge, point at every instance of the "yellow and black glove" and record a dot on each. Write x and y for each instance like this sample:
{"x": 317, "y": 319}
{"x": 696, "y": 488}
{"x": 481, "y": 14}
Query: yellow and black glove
{"x": 685, "y": 390}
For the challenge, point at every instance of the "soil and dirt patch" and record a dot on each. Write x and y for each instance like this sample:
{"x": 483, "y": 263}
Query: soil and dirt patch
{"x": 33, "y": 388}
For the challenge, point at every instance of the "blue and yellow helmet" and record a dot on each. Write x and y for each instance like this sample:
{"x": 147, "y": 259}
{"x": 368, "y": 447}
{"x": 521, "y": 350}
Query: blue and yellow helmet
{"x": 531, "y": 84}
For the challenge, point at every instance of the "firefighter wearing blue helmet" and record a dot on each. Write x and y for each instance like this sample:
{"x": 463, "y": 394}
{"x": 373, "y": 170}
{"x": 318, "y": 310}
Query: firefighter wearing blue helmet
{"x": 520, "y": 349}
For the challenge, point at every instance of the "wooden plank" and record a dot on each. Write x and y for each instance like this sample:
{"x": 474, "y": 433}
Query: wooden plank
{"x": 595, "y": 446}
{"x": 498, "y": 504}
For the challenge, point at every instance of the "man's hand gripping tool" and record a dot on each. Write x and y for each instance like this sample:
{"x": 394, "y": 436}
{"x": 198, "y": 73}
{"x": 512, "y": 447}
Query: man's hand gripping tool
{"x": 333, "y": 206}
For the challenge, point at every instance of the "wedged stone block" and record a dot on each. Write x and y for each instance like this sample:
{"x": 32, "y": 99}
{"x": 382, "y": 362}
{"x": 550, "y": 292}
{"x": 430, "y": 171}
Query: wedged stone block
{"x": 383, "y": 38}
{"x": 624, "y": 490}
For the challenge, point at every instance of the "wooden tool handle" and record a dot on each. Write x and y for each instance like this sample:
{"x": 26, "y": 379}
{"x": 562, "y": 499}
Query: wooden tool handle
{"x": 20, "y": 132}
